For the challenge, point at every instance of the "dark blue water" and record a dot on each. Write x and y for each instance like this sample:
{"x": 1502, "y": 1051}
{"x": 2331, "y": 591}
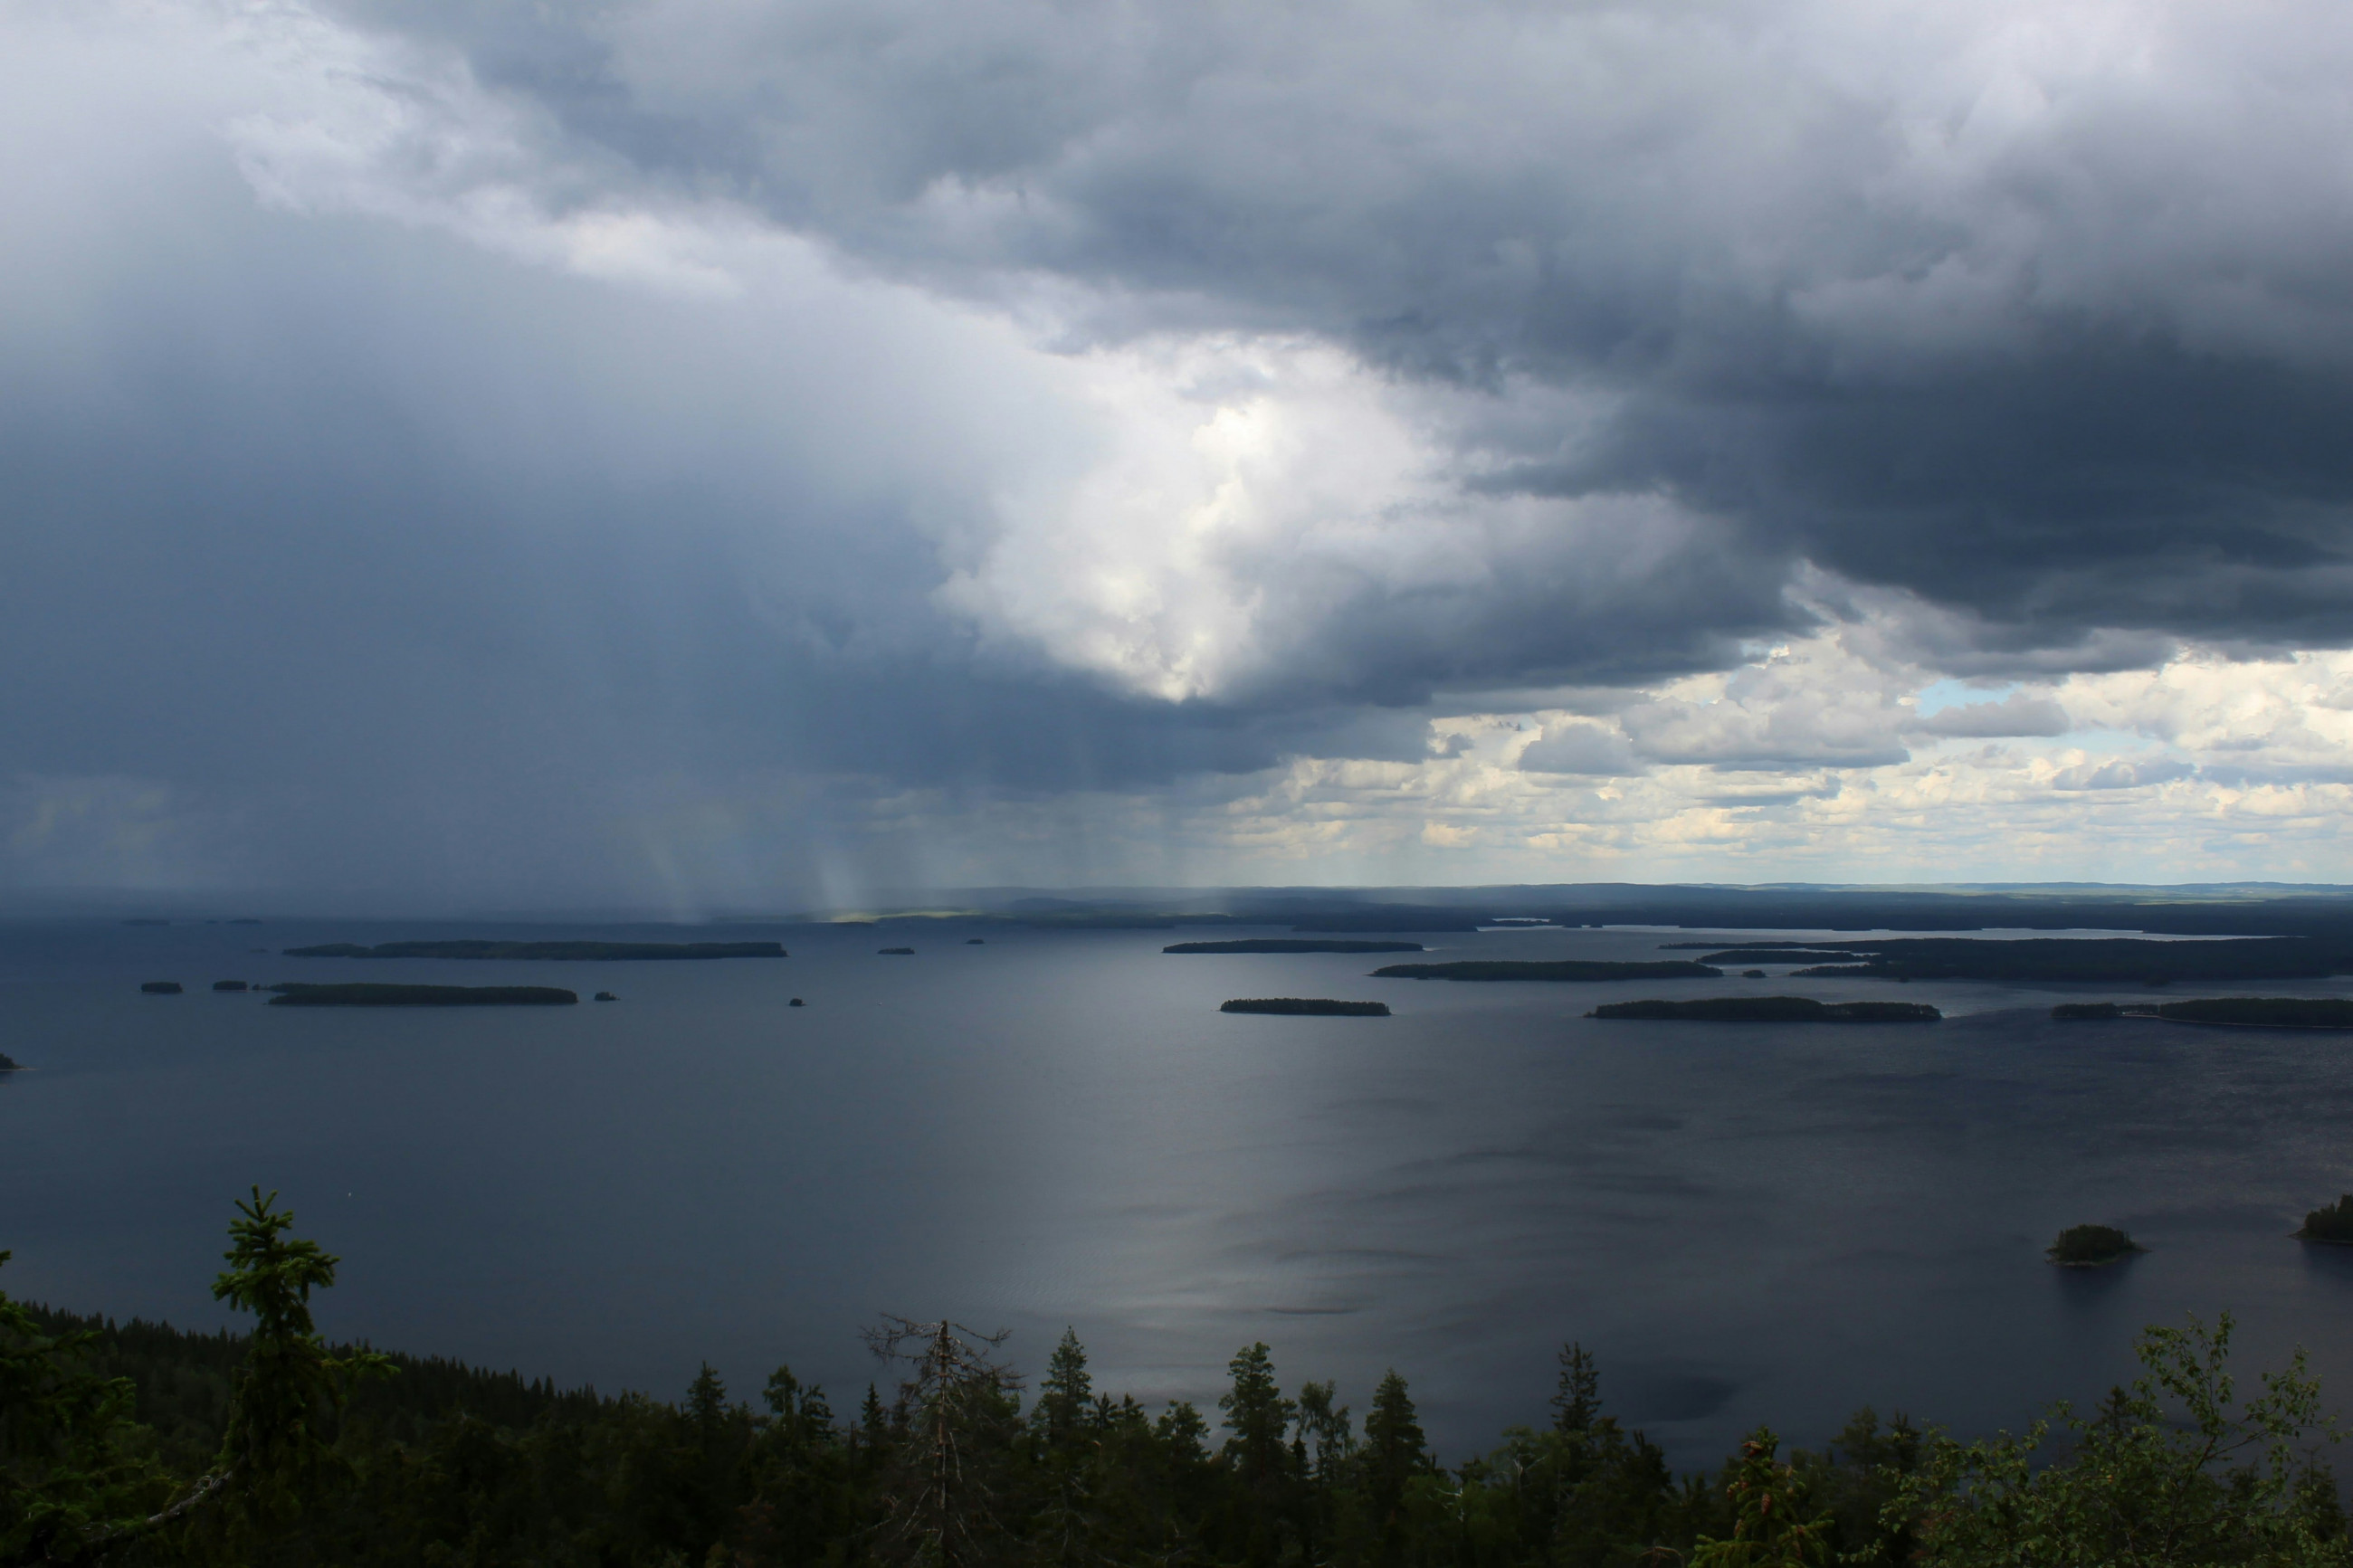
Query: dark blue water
{"x": 1748, "y": 1223}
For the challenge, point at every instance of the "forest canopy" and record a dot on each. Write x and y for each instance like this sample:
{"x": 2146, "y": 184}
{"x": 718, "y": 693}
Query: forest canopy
{"x": 134, "y": 1442}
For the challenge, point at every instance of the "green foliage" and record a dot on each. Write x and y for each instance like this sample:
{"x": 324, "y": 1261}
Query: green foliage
{"x": 72, "y": 1469}
{"x": 1775, "y": 1521}
{"x": 2171, "y": 1469}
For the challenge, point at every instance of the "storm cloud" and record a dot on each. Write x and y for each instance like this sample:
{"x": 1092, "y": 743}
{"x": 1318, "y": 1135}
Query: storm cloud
{"x": 704, "y": 452}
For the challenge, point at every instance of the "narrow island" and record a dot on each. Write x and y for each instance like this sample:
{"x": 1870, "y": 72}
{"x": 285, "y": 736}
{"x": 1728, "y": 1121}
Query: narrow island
{"x": 1293, "y": 944}
{"x": 2264, "y": 1012}
{"x": 1772, "y": 1010}
{"x": 1559, "y": 969}
{"x": 161, "y": 987}
{"x": 2091, "y": 1246}
{"x": 1307, "y": 1006}
{"x": 896, "y": 952}
{"x": 2332, "y": 1224}
{"x": 559, "y": 951}
{"x": 607, "y": 996}
{"x": 230, "y": 986}
{"x": 366, "y": 994}
{"x": 2106, "y": 960}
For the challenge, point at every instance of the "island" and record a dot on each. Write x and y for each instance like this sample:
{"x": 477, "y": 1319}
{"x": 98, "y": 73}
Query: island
{"x": 557, "y": 951}
{"x": 975, "y": 941}
{"x": 607, "y": 996}
{"x": 1308, "y": 1006}
{"x": 7, "y": 1063}
{"x": 1752, "y": 975}
{"x": 161, "y": 987}
{"x": 797, "y": 1002}
{"x": 1772, "y": 1010}
{"x": 2106, "y": 960}
{"x": 1293, "y": 944}
{"x": 230, "y": 986}
{"x": 1558, "y": 969}
{"x": 2091, "y": 1246}
{"x": 364, "y": 994}
{"x": 2332, "y": 1224}
{"x": 896, "y": 952}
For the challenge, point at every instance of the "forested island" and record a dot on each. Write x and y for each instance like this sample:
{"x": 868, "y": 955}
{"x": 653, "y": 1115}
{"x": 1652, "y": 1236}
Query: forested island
{"x": 366, "y": 994}
{"x": 1772, "y": 1010}
{"x": 161, "y": 987}
{"x": 2092, "y": 1246}
{"x": 1554, "y": 969}
{"x": 1292, "y": 944}
{"x": 138, "y": 1444}
{"x": 2331, "y": 1223}
{"x": 7, "y": 1063}
{"x": 2100, "y": 959}
{"x": 1308, "y": 1006}
{"x": 2264, "y": 1012}
{"x": 559, "y": 951}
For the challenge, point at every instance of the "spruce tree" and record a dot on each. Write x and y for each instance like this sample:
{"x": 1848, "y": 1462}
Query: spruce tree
{"x": 1577, "y": 1400}
{"x": 1065, "y": 1393}
{"x": 1256, "y": 1455}
{"x": 1395, "y": 1450}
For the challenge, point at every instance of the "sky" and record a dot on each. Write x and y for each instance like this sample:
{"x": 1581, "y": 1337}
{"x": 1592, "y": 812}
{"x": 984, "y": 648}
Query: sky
{"x": 705, "y": 455}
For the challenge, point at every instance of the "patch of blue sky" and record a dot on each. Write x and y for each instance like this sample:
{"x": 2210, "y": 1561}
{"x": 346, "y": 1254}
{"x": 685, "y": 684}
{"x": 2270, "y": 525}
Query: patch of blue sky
{"x": 1939, "y": 695}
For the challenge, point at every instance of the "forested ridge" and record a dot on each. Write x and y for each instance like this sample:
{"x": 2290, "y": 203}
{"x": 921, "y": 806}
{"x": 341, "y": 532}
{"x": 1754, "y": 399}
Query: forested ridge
{"x": 135, "y": 1443}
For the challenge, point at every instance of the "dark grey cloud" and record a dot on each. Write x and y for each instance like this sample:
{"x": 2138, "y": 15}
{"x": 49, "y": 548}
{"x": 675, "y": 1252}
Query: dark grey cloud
{"x": 393, "y": 499}
{"x": 2048, "y": 324}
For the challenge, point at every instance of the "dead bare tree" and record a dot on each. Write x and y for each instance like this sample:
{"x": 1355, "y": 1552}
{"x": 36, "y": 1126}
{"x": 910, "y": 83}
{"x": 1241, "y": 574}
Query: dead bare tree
{"x": 958, "y": 1399}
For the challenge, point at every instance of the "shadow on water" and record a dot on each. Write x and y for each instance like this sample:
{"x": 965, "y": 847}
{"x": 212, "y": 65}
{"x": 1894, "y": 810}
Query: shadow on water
{"x": 2328, "y": 1260}
{"x": 2096, "y": 1293}
{"x": 1668, "y": 1392}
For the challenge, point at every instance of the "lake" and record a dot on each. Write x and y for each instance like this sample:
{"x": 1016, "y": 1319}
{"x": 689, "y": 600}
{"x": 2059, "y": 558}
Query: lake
{"x": 1745, "y": 1222}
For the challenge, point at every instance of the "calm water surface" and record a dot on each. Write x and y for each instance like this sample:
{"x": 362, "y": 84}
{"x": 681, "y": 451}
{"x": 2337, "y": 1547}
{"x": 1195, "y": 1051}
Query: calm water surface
{"x": 1748, "y": 1223}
